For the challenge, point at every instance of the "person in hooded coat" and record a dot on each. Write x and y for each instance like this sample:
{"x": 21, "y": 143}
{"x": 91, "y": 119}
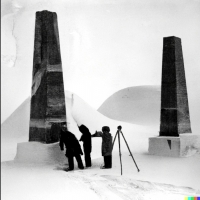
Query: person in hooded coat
{"x": 87, "y": 144}
{"x": 106, "y": 147}
{"x": 73, "y": 148}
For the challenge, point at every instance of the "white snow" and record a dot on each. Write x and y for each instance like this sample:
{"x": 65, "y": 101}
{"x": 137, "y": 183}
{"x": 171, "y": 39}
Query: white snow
{"x": 137, "y": 105}
{"x": 37, "y": 172}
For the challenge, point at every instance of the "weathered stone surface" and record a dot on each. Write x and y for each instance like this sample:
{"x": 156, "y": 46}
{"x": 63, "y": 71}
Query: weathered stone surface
{"x": 48, "y": 98}
{"x": 175, "y": 117}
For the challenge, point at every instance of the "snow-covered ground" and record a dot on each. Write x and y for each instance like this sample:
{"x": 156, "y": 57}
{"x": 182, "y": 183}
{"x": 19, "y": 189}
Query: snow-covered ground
{"x": 50, "y": 181}
{"x": 38, "y": 170}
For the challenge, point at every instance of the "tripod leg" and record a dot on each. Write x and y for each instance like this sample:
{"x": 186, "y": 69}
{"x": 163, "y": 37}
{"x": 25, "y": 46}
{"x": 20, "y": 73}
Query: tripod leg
{"x": 130, "y": 151}
{"x": 120, "y": 152}
{"x": 114, "y": 139}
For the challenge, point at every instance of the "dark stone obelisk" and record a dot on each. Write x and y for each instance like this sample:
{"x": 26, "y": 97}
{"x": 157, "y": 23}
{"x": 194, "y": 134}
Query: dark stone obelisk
{"x": 175, "y": 118}
{"x": 48, "y": 98}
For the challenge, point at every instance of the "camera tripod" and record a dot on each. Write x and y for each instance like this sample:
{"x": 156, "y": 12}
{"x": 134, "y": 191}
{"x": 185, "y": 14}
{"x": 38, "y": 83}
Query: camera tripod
{"x": 118, "y": 134}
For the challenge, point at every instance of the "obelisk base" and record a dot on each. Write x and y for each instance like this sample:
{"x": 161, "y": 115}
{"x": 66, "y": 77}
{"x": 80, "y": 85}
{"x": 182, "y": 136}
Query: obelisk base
{"x": 37, "y": 152}
{"x": 183, "y": 146}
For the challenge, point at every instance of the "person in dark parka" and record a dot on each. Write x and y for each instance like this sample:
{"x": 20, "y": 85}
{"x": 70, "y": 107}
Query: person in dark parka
{"x": 73, "y": 148}
{"x": 106, "y": 147}
{"x": 87, "y": 144}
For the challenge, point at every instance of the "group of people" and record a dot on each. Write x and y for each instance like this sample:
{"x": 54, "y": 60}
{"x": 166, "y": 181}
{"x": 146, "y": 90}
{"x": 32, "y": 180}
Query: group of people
{"x": 73, "y": 148}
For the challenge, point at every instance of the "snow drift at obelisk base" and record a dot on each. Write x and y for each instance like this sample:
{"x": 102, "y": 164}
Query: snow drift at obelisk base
{"x": 32, "y": 170}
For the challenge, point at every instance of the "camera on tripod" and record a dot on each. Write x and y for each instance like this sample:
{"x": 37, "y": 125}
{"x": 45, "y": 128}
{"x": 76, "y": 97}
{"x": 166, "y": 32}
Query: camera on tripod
{"x": 119, "y": 130}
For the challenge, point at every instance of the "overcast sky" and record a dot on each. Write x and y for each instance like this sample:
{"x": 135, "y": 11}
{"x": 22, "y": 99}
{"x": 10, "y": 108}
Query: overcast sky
{"x": 105, "y": 45}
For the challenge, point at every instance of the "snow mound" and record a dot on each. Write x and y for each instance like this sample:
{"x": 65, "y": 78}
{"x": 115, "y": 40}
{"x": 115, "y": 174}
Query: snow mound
{"x": 137, "y": 105}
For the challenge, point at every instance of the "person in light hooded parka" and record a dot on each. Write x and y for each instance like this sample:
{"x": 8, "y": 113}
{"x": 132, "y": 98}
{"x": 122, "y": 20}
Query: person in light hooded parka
{"x": 106, "y": 147}
{"x": 87, "y": 144}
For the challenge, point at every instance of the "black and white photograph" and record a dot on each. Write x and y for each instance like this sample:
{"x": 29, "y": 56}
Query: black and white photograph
{"x": 100, "y": 99}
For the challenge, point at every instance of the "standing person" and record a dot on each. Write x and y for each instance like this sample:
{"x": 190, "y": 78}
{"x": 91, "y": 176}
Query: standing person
{"x": 73, "y": 148}
{"x": 106, "y": 147}
{"x": 87, "y": 144}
